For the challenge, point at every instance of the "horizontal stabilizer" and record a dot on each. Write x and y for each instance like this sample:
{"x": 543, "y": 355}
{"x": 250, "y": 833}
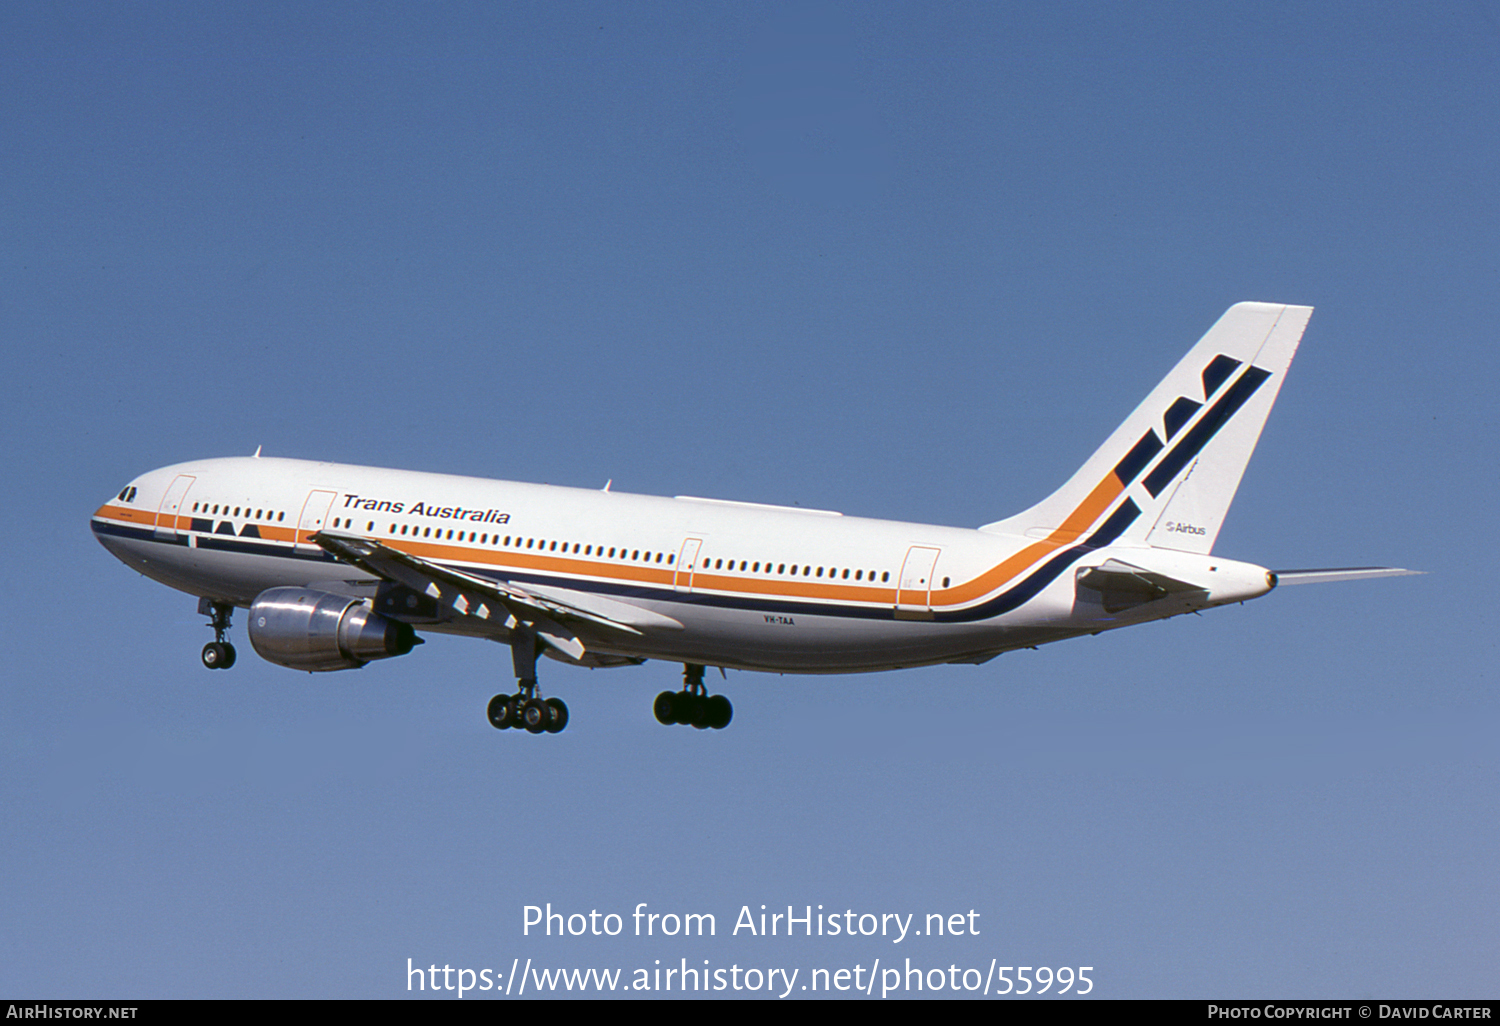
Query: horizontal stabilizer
{"x": 1348, "y": 573}
{"x": 1122, "y": 586}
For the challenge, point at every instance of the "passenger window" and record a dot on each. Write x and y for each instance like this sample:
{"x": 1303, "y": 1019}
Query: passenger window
{"x": 885, "y": 576}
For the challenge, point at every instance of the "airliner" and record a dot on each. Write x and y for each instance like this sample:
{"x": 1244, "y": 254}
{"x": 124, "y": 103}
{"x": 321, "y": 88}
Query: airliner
{"x": 341, "y": 565}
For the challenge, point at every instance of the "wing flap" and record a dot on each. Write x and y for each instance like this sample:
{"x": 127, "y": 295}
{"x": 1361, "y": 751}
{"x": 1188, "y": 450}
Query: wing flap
{"x": 469, "y": 595}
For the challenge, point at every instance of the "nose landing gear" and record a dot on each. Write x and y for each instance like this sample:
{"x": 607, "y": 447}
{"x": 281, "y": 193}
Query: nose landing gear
{"x": 219, "y": 653}
{"x": 693, "y": 705}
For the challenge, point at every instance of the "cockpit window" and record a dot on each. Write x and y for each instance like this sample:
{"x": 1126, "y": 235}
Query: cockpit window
{"x": 127, "y": 494}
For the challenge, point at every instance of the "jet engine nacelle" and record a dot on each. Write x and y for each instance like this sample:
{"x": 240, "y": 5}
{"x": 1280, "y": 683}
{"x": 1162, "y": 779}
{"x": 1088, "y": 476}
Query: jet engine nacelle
{"x": 313, "y": 630}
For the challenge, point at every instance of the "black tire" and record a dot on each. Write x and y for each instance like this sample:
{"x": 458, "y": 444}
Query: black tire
{"x": 559, "y": 718}
{"x": 516, "y": 702}
{"x": 720, "y": 712}
{"x": 214, "y": 656}
{"x": 535, "y": 715}
{"x": 499, "y": 712}
{"x": 665, "y": 708}
{"x": 696, "y": 712}
{"x": 228, "y": 656}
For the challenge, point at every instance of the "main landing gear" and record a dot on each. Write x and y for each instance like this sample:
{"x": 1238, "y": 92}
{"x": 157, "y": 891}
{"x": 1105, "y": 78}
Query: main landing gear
{"x": 524, "y": 710}
{"x": 219, "y": 653}
{"x": 693, "y": 705}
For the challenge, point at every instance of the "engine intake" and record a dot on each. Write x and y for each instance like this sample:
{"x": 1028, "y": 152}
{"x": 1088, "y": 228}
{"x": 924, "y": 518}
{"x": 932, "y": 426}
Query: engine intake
{"x": 313, "y": 630}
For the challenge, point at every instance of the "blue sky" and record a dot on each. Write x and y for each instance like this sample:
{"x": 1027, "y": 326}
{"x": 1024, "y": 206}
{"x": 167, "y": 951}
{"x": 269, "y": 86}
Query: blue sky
{"x": 901, "y": 260}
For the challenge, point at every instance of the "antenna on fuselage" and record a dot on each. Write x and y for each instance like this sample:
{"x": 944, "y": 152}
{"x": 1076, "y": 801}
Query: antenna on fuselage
{"x": 257, "y": 453}
{"x": 607, "y": 484}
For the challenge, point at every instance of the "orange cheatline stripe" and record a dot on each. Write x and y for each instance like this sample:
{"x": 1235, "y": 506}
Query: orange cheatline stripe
{"x": 128, "y": 513}
{"x": 1069, "y": 531}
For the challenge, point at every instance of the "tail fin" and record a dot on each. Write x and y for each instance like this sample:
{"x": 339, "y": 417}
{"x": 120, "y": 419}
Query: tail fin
{"x": 1166, "y": 476}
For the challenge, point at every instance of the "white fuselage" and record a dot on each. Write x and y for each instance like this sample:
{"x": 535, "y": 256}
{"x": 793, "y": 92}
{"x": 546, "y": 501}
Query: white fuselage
{"x": 709, "y": 582}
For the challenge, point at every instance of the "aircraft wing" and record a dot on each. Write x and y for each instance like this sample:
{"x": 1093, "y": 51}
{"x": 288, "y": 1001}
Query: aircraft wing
{"x": 554, "y": 617}
{"x": 1348, "y": 573}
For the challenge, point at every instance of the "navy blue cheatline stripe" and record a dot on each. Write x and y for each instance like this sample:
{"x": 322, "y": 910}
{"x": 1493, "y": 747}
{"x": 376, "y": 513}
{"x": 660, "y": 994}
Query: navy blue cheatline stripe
{"x": 140, "y": 533}
{"x": 221, "y": 543}
{"x": 1006, "y": 601}
{"x": 1136, "y": 460}
{"x": 1202, "y": 432}
{"x": 1178, "y": 414}
{"x": 1049, "y": 571}
{"x": 1216, "y": 373}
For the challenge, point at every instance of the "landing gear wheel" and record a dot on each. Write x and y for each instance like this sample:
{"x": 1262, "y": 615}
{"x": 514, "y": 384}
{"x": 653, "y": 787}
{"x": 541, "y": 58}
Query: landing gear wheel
{"x": 665, "y": 707}
{"x": 719, "y": 712}
{"x": 559, "y": 715}
{"x": 219, "y": 653}
{"x": 499, "y": 712}
{"x": 514, "y": 704}
{"x": 535, "y": 715}
{"x": 697, "y": 712}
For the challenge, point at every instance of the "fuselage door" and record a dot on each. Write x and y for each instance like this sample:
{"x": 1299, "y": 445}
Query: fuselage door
{"x": 687, "y": 559}
{"x": 171, "y": 505}
{"x": 314, "y": 517}
{"x": 914, "y": 588}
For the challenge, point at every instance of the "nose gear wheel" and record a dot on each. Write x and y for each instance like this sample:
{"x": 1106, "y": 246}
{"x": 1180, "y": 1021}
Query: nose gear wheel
{"x": 219, "y": 653}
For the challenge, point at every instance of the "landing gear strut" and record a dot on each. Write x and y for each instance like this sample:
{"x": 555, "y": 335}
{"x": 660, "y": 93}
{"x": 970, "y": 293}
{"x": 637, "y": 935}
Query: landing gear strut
{"x": 693, "y": 705}
{"x": 525, "y": 710}
{"x": 219, "y": 653}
